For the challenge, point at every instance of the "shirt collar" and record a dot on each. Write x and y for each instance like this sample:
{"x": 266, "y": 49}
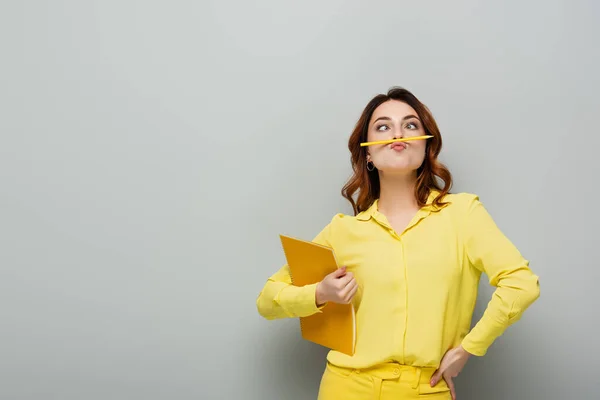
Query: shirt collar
{"x": 373, "y": 210}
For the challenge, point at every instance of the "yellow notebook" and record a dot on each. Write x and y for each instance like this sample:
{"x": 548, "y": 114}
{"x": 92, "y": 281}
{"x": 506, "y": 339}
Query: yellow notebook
{"x": 335, "y": 326}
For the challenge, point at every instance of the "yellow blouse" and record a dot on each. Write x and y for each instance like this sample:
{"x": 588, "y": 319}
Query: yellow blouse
{"x": 418, "y": 288}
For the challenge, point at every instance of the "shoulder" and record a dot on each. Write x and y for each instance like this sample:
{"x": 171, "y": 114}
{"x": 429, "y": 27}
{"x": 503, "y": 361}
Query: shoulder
{"x": 331, "y": 232}
{"x": 340, "y": 220}
{"x": 462, "y": 198}
{"x": 340, "y": 223}
{"x": 461, "y": 203}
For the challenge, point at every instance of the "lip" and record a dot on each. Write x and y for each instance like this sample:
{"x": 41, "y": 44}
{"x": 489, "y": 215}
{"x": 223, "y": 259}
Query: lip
{"x": 399, "y": 146}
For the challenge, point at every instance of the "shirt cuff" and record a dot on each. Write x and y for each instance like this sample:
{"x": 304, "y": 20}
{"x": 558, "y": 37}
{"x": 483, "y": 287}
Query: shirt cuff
{"x": 301, "y": 302}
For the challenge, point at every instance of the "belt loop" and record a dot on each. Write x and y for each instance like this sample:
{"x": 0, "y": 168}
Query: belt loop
{"x": 417, "y": 378}
{"x": 376, "y": 388}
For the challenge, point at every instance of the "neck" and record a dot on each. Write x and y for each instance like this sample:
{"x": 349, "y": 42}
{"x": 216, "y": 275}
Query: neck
{"x": 397, "y": 193}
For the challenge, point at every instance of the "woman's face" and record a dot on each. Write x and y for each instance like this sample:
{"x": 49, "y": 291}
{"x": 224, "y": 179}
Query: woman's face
{"x": 393, "y": 120}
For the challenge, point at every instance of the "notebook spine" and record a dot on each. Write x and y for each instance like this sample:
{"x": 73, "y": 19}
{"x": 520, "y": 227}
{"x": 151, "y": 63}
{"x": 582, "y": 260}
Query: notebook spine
{"x": 294, "y": 284}
{"x": 288, "y": 264}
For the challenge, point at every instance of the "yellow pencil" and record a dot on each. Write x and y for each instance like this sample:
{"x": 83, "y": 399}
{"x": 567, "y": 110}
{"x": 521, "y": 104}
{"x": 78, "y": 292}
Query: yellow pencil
{"x": 396, "y": 140}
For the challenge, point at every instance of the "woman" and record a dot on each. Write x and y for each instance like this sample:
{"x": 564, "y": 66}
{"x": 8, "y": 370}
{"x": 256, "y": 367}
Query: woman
{"x": 412, "y": 257}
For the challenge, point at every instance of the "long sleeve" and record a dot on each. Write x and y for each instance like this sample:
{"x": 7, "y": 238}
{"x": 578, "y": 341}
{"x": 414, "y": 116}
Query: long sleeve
{"x": 517, "y": 287}
{"x": 279, "y": 298}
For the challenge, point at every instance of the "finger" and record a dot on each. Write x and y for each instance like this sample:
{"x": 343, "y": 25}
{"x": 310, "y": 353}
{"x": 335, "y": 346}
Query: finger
{"x": 351, "y": 294}
{"x": 339, "y": 272}
{"x": 435, "y": 378}
{"x": 450, "y": 384}
{"x": 352, "y": 285}
{"x": 349, "y": 279}
{"x": 346, "y": 289}
{"x": 345, "y": 280}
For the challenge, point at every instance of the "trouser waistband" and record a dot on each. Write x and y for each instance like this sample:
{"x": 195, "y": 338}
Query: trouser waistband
{"x": 390, "y": 371}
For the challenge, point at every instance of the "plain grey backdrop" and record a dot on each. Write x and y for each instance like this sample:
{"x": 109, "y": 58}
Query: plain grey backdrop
{"x": 151, "y": 152}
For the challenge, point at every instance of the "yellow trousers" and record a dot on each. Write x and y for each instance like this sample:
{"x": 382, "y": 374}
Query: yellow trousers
{"x": 383, "y": 382}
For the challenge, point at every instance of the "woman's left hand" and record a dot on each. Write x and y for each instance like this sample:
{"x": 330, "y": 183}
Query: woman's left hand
{"x": 452, "y": 363}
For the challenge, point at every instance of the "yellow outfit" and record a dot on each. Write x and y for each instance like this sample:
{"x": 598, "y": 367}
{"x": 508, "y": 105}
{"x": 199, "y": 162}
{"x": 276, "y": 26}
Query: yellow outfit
{"x": 385, "y": 381}
{"x": 417, "y": 290}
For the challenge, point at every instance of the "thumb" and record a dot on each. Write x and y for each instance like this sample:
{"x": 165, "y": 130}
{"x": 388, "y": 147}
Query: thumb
{"x": 339, "y": 272}
{"x": 435, "y": 378}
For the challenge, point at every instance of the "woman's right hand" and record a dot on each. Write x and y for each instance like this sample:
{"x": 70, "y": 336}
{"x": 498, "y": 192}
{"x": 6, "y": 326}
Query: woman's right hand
{"x": 337, "y": 287}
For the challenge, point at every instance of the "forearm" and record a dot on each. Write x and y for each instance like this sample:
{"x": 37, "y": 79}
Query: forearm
{"x": 283, "y": 300}
{"x": 509, "y": 301}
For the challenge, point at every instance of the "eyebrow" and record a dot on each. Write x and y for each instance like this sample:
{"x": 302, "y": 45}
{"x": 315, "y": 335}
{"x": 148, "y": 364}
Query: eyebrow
{"x": 403, "y": 119}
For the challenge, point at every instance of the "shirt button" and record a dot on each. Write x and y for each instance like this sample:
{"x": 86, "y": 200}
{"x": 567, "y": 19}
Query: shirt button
{"x": 396, "y": 371}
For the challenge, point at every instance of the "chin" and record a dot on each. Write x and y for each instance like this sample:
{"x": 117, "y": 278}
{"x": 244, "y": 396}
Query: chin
{"x": 399, "y": 170}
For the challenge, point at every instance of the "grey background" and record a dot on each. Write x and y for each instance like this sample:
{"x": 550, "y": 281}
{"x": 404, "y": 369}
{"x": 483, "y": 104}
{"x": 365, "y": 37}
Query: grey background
{"x": 151, "y": 152}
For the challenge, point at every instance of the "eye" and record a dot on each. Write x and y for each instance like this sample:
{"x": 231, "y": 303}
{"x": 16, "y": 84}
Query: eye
{"x": 411, "y": 125}
{"x": 382, "y": 128}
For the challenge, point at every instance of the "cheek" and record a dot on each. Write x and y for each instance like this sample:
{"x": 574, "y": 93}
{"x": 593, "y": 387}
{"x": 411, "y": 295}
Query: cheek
{"x": 419, "y": 147}
{"x": 418, "y": 155}
{"x": 371, "y": 137}
{"x": 375, "y": 154}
